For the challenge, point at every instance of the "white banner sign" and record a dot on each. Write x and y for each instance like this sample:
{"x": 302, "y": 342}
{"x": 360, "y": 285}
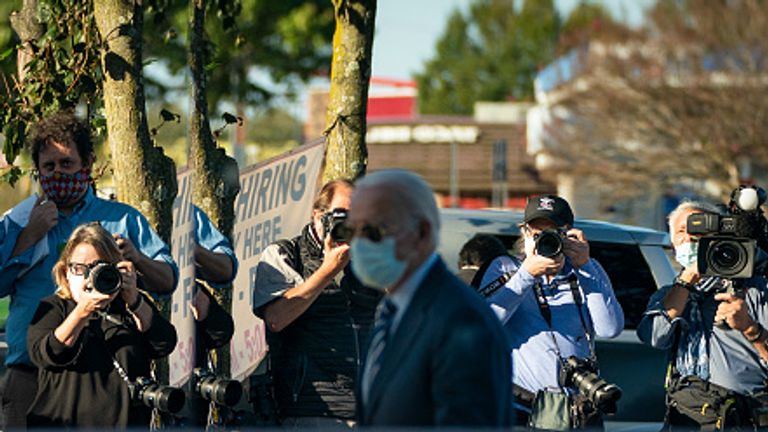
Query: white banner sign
{"x": 275, "y": 202}
{"x": 182, "y": 359}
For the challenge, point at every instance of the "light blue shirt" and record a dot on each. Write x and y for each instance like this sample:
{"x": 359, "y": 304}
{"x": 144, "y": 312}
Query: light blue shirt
{"x": 733, "y": 362}
{"x": 534, "y": 353}
{"x": 210, "y": 238}
{"x": 27, "y": 277}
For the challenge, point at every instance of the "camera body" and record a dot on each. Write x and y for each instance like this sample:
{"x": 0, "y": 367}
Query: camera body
{"x": 155, "y": 395}
{"x": 582, "y": 374}
{"x": 216, "y": 389}
{"x": 728, "y": 246}
{"x": 104, "y": 278}
{"x": 549, "y": 242}
{"x": 334, "y": 223}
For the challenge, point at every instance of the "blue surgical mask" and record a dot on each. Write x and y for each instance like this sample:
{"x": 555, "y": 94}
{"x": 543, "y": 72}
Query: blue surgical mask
{"x": 686, "y": 254}
{"x": 375, "y": 263}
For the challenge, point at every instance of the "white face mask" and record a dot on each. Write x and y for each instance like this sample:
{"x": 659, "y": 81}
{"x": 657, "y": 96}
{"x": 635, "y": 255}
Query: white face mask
{"x": 375, "y": 264}
{"x": 686, "y": 254}
{"x": 529, "y": 247}
{"x": 76, "y": 285}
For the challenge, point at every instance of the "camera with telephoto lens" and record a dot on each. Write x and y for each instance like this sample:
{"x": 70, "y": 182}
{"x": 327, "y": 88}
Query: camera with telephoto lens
{"x": 729, "y": 243}
{"x": 335, "y": 224}
{"x": 154, "y": 395}
{"x": 582, "y": 374}
{"x": 216, "y": 389}
{"x": 549, "y": 242}
{"x": 104, "y": 278}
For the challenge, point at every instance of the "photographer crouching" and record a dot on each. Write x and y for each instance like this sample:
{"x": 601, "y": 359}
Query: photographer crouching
{"x": 552, "y": 303}
{"x": 93, "y": 341}
{"x": 712, "y": 319}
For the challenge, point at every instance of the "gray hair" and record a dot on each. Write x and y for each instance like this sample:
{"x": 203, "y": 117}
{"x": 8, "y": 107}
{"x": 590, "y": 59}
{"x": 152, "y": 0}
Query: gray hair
{"x": 693, "y": 205}
{"x": 411, "y": 191}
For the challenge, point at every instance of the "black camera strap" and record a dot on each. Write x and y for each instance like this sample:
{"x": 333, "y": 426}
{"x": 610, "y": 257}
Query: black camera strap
{"x": 546, "y": 312}
{"x": 497, "y": 283}
{"x": 155, "y": 421}
{"x": 573, "y": 281}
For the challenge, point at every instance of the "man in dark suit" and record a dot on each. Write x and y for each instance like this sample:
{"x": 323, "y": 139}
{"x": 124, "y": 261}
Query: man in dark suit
{"x": 437, "y": 354}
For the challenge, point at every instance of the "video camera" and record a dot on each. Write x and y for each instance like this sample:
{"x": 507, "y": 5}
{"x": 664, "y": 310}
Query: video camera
{"x": 155, "y": 395}
{"x": 730, "y": 243}
{"x": 334, "y": 223}
{"x": 549, "y": 242}
{"x": 582, "y": 374}
{"x": 216, "y": 389}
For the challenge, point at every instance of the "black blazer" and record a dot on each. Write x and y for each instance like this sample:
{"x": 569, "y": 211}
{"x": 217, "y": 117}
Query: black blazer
{"x": 448, "y": 362}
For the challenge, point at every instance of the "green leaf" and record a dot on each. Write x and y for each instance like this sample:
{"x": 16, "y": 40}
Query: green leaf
{"x": 5, "y": 54}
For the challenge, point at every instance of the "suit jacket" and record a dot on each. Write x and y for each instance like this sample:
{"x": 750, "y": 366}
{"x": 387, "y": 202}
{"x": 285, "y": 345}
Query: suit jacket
{"x": 447, "y": 364}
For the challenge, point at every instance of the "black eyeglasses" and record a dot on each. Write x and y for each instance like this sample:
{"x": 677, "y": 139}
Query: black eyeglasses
{"x": 80, "y": 269}
{"x": 374, "y": 233}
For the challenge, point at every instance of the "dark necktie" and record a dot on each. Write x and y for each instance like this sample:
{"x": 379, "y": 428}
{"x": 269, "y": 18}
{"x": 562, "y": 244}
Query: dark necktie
{"x": 384, "y": 317}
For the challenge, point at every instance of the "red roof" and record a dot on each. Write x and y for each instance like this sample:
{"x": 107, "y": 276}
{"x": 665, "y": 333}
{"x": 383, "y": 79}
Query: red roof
{"x": 391, "y": 107}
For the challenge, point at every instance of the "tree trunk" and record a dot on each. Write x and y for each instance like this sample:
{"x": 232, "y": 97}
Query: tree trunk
{"x": 216, "y": 176}
{"x": 144, "y": 177}
{"x": 346, "y": 154}
{"x": 26, "y": 24}
{"x": 216, "y": 179}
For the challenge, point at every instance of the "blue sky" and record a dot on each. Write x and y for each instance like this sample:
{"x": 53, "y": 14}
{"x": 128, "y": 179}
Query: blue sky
{"x": 407, "y": 30}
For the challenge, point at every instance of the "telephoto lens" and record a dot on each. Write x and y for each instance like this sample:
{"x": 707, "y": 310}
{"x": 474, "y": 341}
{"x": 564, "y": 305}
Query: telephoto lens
{"x": 105, "y": 278}
{"x": 582, "y": 374}
{"x": 154, "y": 395}
{"x": 216, "y": 389}
{"x": 549, "y": 243}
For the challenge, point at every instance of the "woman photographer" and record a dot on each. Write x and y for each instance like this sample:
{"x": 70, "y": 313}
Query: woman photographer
{"x": 88, "y": 340}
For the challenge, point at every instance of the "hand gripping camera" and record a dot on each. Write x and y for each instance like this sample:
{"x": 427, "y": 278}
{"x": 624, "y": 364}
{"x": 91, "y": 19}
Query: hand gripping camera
{"x": 729, "y": 244}
{"x": 549, "y": 243}
{"x": 334, "y": 223}
{"x": 154, "y": 395}
{"x": 217, "y": 389}
{"x": 582, "y": 374}
{"x": 104, "y": 278}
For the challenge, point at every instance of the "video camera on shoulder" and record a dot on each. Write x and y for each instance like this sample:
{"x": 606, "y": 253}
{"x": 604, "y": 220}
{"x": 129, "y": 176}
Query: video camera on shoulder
{"x": 728, "y": 246}
{"x": 334, "y": 223}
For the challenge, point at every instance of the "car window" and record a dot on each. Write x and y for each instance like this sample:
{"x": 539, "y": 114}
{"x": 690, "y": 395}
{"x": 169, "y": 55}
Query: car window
{"x": 630, "y": 275}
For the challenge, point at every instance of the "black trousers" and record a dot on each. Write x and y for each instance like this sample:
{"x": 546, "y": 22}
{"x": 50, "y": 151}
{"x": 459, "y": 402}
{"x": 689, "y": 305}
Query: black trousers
{"x": 18, "y": 391}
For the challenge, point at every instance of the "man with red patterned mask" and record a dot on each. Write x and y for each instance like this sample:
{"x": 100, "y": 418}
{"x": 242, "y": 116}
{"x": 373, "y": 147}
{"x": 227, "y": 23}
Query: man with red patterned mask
{"x": 34, "y": 231}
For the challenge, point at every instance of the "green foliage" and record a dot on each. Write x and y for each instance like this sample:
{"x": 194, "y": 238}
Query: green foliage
{"x": 250, "y": 42}
{"x": 64, "y": 72}
{"x": 7, "y": 40}
{"x": 493, "y": 53}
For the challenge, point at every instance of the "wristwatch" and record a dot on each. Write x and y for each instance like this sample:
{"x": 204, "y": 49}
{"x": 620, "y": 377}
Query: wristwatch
{"x": 680, "y": 282}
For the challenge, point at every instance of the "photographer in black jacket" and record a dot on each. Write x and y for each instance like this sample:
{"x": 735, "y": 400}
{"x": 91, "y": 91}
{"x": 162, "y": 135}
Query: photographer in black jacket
{"x": 318, "y": 316}
{"x": 94, "y": 338}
